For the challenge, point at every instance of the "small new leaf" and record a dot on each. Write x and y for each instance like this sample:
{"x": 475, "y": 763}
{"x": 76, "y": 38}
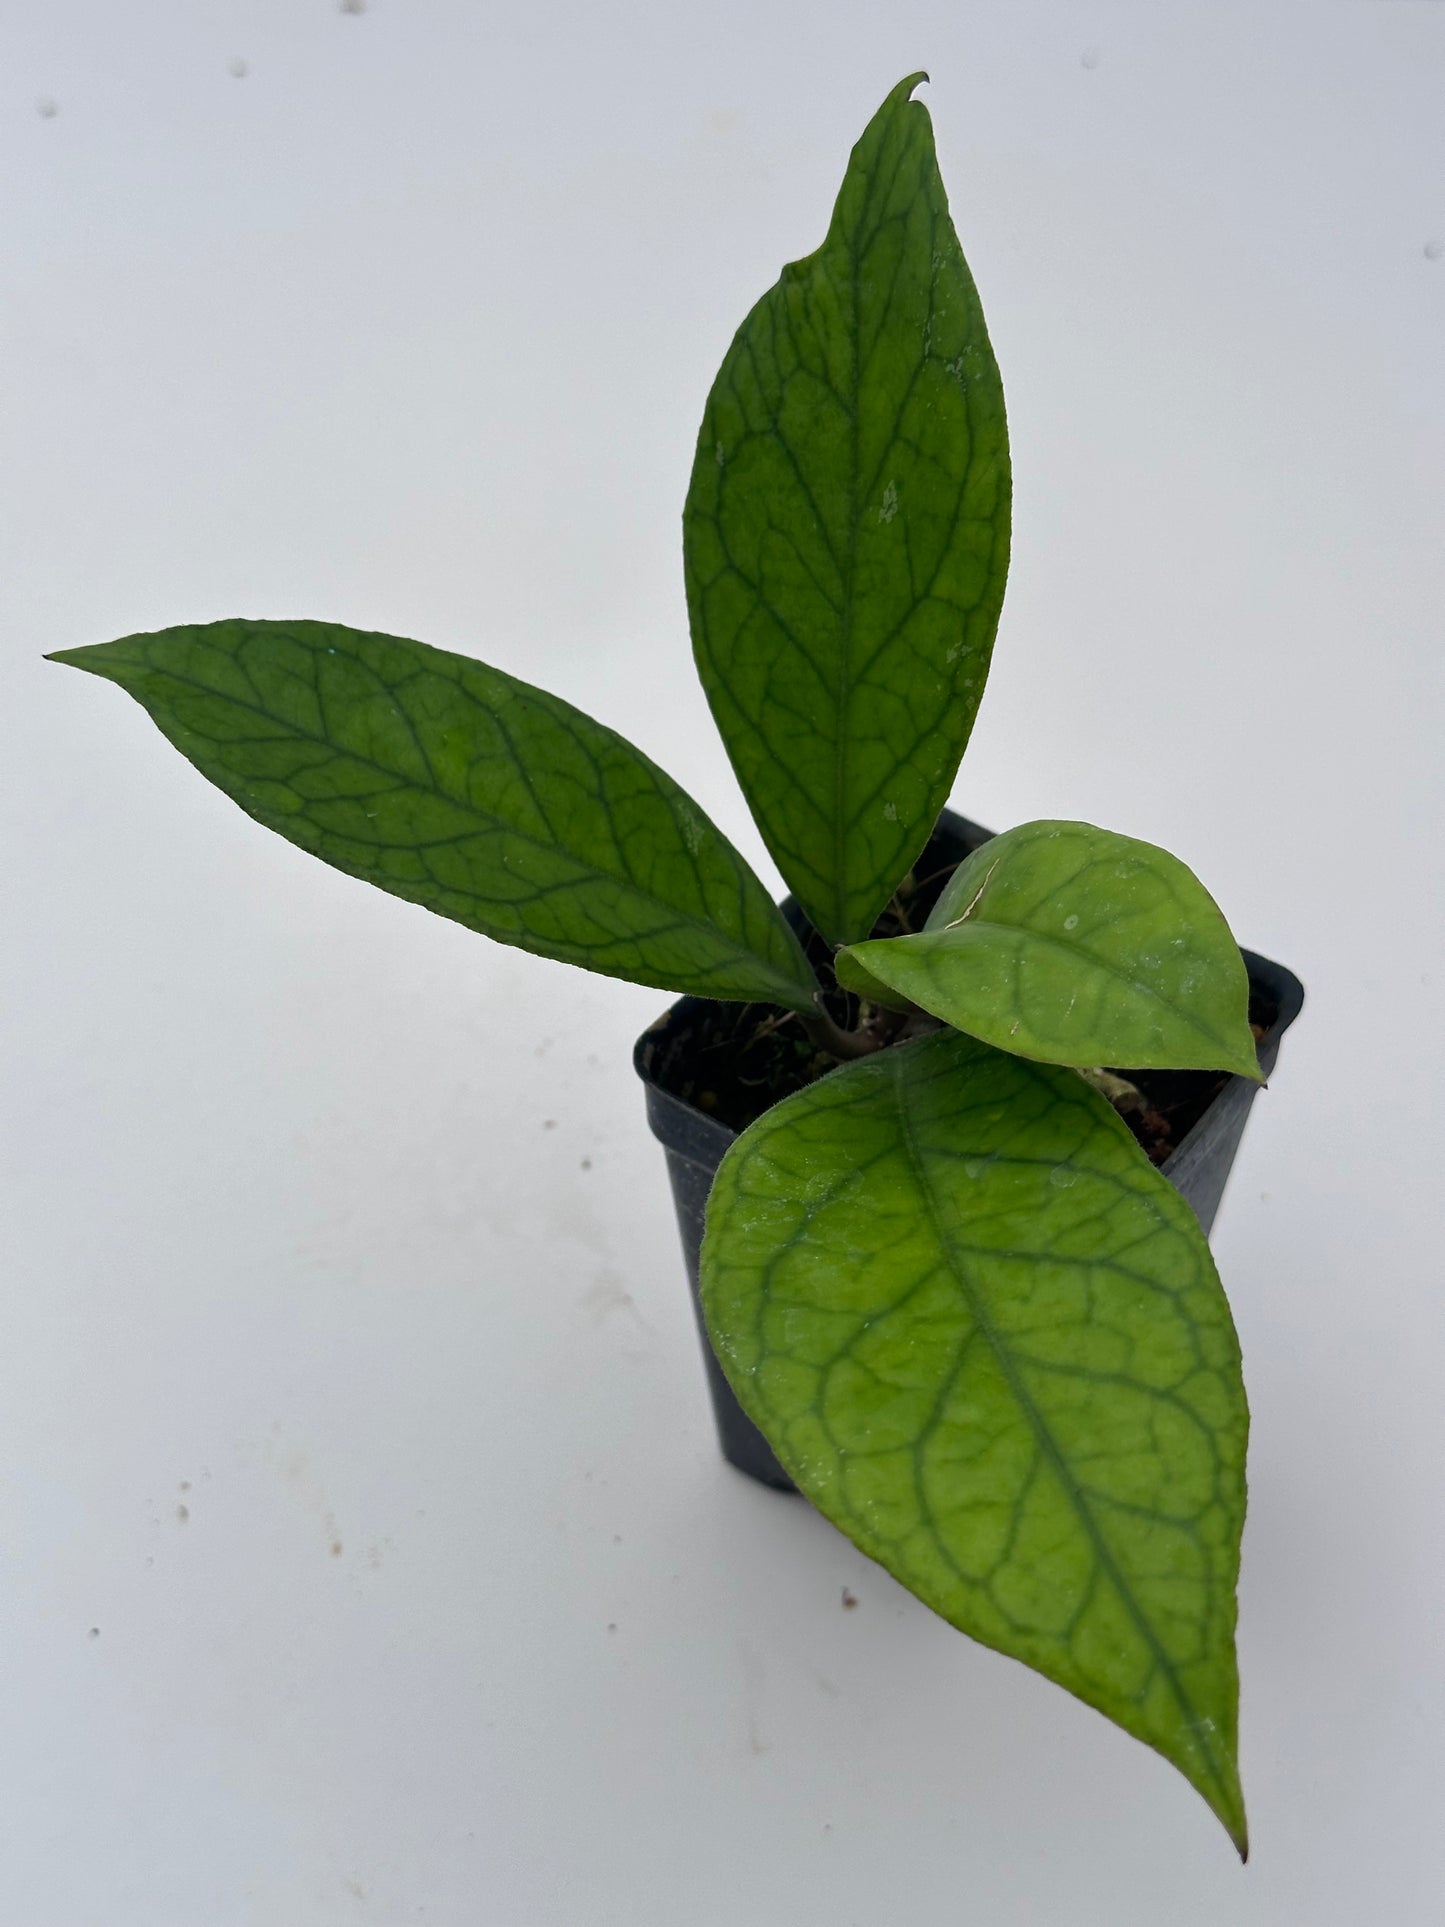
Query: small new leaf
{"x": 1073, "y": 945}
{"x": 987, "y": 1340}
{"x": 846, "y": 532}
{"x": 457, "y": 787}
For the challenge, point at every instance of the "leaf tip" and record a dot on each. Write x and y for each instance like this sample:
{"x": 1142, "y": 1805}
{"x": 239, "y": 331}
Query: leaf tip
{"x": 1225, "y": 1799}
{"x": 95, "y": 658}
{"x": 1248, "y": 1065}
{"x": 902, "y": 94}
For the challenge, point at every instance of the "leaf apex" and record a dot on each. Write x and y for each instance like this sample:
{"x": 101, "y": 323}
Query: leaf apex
{"x": 1237, "y": 1828}
{"x": 1246, "y": 1064}
{"x": 901, "y": 95}
{"x": 95, "y": 658}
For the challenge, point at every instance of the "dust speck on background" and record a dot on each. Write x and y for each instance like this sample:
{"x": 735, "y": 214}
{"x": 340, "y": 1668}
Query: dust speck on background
{"x": 1089, "y": 58}
{"x": 1434, "y": 248}
{"x": 237, "y": 68}
{"x": 850, "y": 1600}
{"x": 94, "y": 1633}
{"x": 352, "y": 6}
{"x": 183, "y": 1512}
{"x": 46, "y": 107}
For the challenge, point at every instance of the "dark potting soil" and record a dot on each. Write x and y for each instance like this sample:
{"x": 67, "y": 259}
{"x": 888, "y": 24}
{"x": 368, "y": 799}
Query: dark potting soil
{"x": 735, "y": 1061}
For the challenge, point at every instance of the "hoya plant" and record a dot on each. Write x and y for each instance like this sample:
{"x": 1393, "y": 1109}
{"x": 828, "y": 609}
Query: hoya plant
{"x": 980, "y": 1330}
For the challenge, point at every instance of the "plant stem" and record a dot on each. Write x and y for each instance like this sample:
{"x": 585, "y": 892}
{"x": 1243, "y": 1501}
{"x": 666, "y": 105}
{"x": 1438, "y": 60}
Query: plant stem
{"x": 838, "y": 1043}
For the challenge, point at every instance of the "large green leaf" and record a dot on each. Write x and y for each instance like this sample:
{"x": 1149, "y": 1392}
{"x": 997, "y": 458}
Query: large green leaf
{"x": 460, "y": 788}
{"x": 1072, "y": 945}
{"x": 987, "y": 1339}
{"x": 846, "y": 532}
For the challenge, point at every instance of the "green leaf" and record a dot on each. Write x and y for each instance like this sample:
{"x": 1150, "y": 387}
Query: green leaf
{"x": 846, "y": 532}
{"x": 1069, "y": 944}
{"x": 460, "y": 788}
{"x": 853, "y": 976}
{"x": 987, "y": 1340}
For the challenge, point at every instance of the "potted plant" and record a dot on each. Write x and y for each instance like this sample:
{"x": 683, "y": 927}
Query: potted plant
{"x": 949, "y": 1291}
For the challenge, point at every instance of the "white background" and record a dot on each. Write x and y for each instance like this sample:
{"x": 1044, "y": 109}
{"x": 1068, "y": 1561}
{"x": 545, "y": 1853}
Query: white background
{"x": 364, "y": 1556}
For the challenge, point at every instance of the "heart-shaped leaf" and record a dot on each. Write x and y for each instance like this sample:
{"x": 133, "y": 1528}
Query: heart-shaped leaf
{"x": 987, "y": 1339}
{"x": 846, "y": 532}
{"x": 460, "y": 788}
{"x": 1072, "y": 945}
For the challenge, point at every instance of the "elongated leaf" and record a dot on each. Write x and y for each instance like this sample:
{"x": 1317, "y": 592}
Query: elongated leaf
{"x": 460, "y": 788}
{"x": 987, "y": 1339}
{"x": 1069, "y": 944}
{"x": 846, "y": 532}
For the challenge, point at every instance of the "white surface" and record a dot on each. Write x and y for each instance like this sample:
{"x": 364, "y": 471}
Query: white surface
{"x": 363, "y": 1553}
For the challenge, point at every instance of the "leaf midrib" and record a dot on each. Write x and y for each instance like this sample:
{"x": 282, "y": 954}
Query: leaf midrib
{"x": 1045, "y": 1439}
{"x": 850, "y": 591}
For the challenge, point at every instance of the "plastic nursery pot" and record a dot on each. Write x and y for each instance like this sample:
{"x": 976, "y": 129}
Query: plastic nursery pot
{"x": 673, "y": 1056}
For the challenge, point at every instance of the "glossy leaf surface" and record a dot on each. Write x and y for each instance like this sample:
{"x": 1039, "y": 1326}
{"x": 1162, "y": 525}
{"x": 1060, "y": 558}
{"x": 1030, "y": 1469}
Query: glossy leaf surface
{"x": 457, "y": 787}
{"x": 853, "y": 975}
{"x": 1073, "y": 945}
{"x": 846, "y": 532}
{"x": 987, "y": 1339}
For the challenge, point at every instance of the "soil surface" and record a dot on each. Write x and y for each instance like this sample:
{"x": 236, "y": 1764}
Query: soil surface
{"x": 735, "y": 1061}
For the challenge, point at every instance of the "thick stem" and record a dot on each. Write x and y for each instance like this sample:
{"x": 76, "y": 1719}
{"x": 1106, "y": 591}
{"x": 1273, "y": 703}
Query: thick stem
{"x": 838, "y": 1043}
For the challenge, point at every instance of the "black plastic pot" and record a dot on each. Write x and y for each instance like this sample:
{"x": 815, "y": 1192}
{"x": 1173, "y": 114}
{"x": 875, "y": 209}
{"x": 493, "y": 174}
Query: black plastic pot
{"x": 695, "y": 1143}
